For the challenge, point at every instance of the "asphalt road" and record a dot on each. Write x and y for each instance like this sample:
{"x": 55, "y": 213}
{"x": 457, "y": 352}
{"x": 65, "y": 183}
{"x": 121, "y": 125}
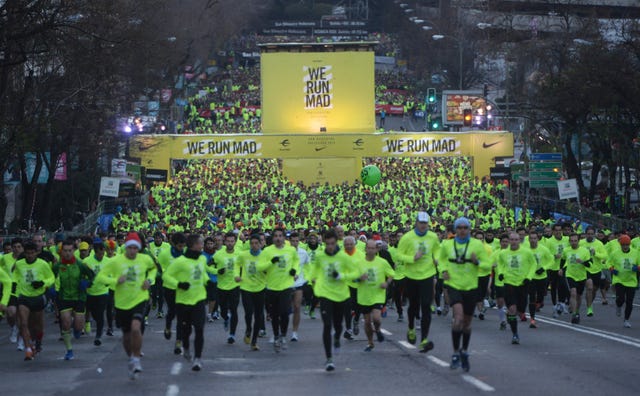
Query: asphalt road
{"x": 597, "y": 357}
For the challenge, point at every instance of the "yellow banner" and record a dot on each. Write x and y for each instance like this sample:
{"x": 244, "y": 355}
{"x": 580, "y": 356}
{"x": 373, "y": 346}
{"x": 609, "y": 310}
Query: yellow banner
{"x": 311, "y": 92}
{"x": 322, "y": 170}
{"x": 156, "y": 151}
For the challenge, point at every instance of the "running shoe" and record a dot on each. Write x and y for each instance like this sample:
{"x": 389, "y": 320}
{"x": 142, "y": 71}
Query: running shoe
{"x": 455, "y": 361}
{"x": 464, "y": 361}
{"x": 247, "y": 338}
{"x": 277, "y": 344}
{"x": 177, "y": 349}
{"x": 503, "y": 325}
{"x": 87, "y": 328}
{"x": 329, "y": 366}
{"x": 380, "y": 336}
{"x": 197, "y": 365}
{"x": 167, "y": 333}
{"x": 294, "y": 336}
{"x": 254, "y": 347}
{"x": 231, "y": 339}
{"x": 348, "y": 335}
{"x": 159, "y": 315}
{"x": 186, "y": 354}
{"x": 627, "y": 324}
{"x": 515, "y": 340}
{"x": 369, "y": 348}
{"x": 356, "y": 326}
{"x": 110, "y": 332}
{"x": 575, "y": 319}
{"x": 425, "y": 346}
{"x": 532, "y": 324}
{"x": 97, "y": 341}
{"x": 28, "y": 354}
{"x": 68, "y": 355}
{"x": 589, "y": 311}
{"x": 411, "y": 336}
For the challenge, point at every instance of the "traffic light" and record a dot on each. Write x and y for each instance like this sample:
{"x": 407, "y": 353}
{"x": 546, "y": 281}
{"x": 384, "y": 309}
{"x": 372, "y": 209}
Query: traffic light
{"x": 435, "y": 124}
{"x": 467, "y": 117}
{"x": 431, "y": 95}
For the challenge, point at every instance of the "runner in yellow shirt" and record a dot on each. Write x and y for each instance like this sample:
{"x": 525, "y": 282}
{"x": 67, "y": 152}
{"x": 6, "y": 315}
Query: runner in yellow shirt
{"x": 624, "y": 264}
{"x": 376, "y": 274}
{"x": 32, "y": 276}
{"x": 461, "y": 261}
{"x": 131, "y": 276}
{"x": 188, "y": 273}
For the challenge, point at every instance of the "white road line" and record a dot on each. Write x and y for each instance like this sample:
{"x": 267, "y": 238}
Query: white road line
{"x": 437, "y": 361}
{"x": 176, "y": 368}
{"x": 598, "y": 333}
{"x": 406, "y": 344}
{"x": 477, "y": 383}
{"x": 173, "y": 390}
{"x": 244, "y": 373}
{"x": 386, "y": 332}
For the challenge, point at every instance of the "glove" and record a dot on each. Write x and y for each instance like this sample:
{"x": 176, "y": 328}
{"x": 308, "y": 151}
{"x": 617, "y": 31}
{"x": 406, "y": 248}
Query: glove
{"x": 84, "y": 284}
{"x": 292, "y": 272}
{"x": 634, "y": 268}
{"x": 221, "y": 271}
{"x": 540, "y": 271}
{"x": 184, "y": 285}
{"x": 52, "y": 293}
{"x": 501, "y": 277}
{"x": 335, "y": 274}
{"x": 37, "y": 284}
{"x": 275, "y": 260}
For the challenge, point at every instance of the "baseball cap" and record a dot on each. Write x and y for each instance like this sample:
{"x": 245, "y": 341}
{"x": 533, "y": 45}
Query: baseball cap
{"x": 423, "y": 217}
{"x": 83, "y": 246}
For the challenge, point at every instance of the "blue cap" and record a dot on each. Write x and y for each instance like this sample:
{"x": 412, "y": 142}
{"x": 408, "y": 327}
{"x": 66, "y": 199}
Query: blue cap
{"x": 461, "y": 221}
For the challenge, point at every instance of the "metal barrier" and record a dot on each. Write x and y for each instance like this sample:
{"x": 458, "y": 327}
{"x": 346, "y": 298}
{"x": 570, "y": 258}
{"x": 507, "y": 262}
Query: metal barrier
{"x": 545, "y": 206}
{"x": 91, "y": 223}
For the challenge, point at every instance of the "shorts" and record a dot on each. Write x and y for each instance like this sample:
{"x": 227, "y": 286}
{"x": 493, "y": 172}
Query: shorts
{"x": 212, "y": 291}
{"x": 595, "y": 278}
{"x": 516, "y": 295}
{"x": 35, "y": 304}
{"x": 74, "y": 305}
{"x": 366, "y": 309}
{"x": 468, "y": 299}
{"x": 499, "y": 291}
{"x": 124, "y": 317}
{"x": 578, "y": 285}
{"x": 13, "y": 301}
{"x": 483, "y": 284}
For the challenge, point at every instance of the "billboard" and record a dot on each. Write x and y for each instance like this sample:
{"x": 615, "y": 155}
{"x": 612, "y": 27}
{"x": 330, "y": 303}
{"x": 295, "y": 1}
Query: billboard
{"x": 312, "y": 92}
{"x": 454, "y": 103}
{"x": 157, "y": 151}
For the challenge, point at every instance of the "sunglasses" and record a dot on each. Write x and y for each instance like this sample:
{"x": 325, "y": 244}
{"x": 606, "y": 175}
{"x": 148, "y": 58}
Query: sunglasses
{"x": 463, "y": 227}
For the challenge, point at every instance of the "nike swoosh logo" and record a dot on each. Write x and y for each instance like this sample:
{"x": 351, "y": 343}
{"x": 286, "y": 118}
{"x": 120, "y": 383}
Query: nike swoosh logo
{"x": 320, "y": 148}
{"x": 485, "y": 145}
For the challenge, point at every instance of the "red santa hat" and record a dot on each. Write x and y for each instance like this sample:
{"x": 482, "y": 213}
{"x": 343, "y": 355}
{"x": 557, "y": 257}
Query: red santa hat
{"x": 133, "y": 240}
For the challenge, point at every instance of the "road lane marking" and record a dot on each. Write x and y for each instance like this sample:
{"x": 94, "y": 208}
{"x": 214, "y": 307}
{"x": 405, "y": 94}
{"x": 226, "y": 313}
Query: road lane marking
{"x": 173, "y": 390}
{"x": 406, "y": 344}
{"x": 176, "y": 368}
{"x": 477, "y": 383}
{"x": 437, "y": 361}
{"x": 245, "y": 373}
{"x": 595, "y": 332}
{"x": 385, "y": 332}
